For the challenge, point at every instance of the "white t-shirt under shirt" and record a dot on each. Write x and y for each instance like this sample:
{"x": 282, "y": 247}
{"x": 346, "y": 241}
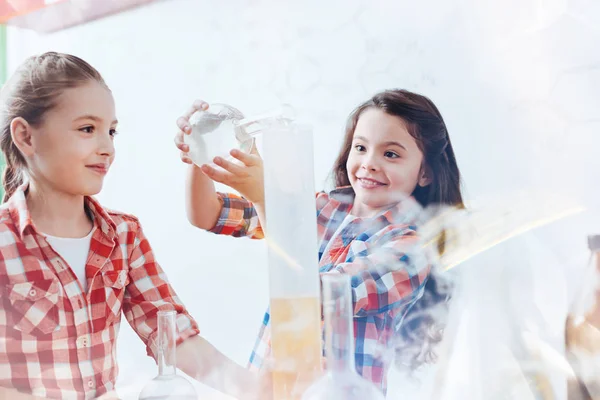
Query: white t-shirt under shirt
{"x": 75, "y": 252}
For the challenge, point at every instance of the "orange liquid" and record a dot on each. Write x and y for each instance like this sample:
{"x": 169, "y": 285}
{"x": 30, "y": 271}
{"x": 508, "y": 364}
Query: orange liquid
{"x": 295, "y": 344}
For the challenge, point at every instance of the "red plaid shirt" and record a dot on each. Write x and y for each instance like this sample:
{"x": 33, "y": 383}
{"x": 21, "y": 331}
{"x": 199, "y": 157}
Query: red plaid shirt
{"x": 57, "y": 341}
{"x": 380, "y": 253}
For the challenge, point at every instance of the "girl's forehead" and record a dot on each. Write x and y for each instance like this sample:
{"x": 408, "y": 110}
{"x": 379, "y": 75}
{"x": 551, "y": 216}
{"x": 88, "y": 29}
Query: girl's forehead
{"x": 377, "y": 125}
{"x": 375, "y": 116}
{"x": 90, "y": 99}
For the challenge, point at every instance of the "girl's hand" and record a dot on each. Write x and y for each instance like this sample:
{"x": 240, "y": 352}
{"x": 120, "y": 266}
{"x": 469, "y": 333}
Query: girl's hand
{"x": 247, "y": 178}
{"x": 183, "y": 123}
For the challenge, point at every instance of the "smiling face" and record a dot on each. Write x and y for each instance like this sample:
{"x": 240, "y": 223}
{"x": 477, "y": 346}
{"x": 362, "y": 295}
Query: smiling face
{"x": 385, "y": 164}
{"x": 72, "y": 149}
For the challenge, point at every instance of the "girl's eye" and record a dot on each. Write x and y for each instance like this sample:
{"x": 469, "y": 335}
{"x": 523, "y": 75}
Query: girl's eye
{"x": 113, "y": 132}
{"x": 87, "y": 129}
{"x": 390, "y": 154}
{"x": 360, "y": 147}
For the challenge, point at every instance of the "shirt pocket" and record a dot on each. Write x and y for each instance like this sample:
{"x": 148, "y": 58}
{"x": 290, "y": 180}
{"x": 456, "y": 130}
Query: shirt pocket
{"x": 108, "y": 310}
{"x": 35, "y": 306}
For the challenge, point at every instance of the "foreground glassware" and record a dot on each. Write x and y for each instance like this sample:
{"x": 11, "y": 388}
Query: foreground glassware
{"x": 167, "y": 385}
{"x": 341, "y": 381}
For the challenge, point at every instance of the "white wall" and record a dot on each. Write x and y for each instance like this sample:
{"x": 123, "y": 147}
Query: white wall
{"x": 517, "y": 81}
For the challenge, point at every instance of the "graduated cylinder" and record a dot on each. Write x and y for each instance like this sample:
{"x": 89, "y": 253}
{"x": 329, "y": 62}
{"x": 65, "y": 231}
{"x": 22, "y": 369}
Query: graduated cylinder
{"x": 291, "y": 233}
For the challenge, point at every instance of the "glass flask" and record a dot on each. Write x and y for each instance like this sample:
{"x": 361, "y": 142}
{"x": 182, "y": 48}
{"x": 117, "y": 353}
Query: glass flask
{"x": 222, "y": 128}
{"x": 213, "y": 134}
{"x": 341, "y": 381}
{"x": 167, "y": 385}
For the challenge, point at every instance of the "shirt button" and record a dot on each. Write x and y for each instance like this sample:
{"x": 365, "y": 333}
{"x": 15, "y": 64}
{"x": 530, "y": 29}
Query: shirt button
{"x": 32, "y": 292}
{"x": 80, "y": 303}
{"x": 90, "y": 384}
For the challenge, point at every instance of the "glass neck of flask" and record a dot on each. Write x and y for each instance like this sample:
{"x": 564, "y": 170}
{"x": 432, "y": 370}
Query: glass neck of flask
{"x": 166, "y": 348}
{"x": 339, "y": 332}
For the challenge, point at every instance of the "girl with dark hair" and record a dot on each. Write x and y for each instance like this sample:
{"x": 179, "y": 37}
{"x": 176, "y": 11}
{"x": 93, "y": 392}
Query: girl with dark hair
{"x": 396, "y": 158}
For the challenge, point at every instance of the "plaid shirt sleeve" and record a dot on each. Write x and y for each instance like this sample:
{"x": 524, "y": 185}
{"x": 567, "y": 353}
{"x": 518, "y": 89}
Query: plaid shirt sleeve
{"x": 238, "y": 218}
{"x": 387, "y": 273}
{"x": 148, "y": 292}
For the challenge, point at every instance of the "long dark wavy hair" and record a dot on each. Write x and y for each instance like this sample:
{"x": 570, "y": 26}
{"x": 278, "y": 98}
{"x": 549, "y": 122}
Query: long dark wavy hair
{"x": 422, "y": 325}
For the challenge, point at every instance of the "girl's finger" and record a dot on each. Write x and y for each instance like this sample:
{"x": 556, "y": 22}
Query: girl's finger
{"x": 249, "y": 160}
{"x": 180, "y": 143}
{"x": 197, "y": 105}
{"x": 185, "y": 158}
{"x": 184, "y": 124}
{"x": 231, "y": 167}
{"x": 216, "y": 175}
{"x": 183, "y": 121}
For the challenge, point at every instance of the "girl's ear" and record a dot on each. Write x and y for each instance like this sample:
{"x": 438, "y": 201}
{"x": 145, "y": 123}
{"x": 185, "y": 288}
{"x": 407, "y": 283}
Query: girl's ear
{"x": 425, "y": 176}
{"x": 21, "y": 131}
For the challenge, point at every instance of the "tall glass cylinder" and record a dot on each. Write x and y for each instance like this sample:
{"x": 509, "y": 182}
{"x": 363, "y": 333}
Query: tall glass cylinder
{"x": 291, "y": 234}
